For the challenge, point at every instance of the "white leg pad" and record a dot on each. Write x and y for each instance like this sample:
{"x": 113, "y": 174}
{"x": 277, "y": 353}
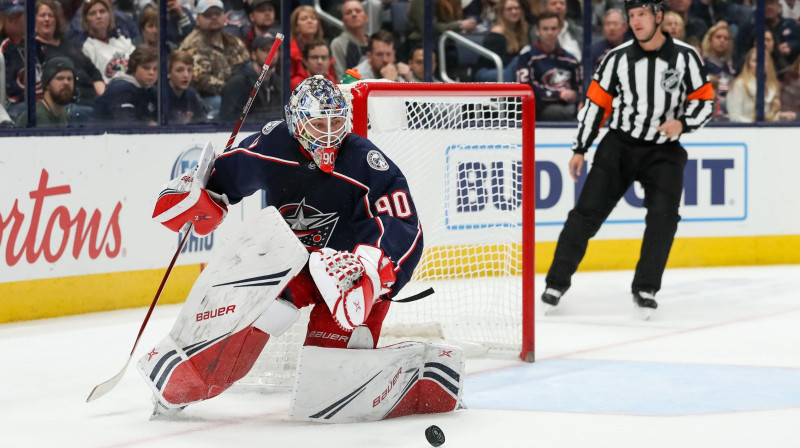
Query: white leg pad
{"x": 239, "y": 286}
{"x": 347, "y": 386}
{"x": 278, "y": 318}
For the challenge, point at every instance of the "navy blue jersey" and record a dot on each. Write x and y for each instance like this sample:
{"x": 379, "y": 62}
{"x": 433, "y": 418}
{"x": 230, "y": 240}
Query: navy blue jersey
{"x": 364, "y": 201}
{"x": 549, "y": 73}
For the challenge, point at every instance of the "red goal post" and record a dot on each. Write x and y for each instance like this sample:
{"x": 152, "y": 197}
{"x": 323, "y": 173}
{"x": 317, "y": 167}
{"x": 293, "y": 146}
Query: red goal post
{"x": 491, "y": 108}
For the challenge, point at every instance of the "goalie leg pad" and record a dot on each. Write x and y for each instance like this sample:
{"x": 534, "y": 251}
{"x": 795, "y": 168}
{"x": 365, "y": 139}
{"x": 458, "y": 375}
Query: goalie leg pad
{"x": 346, "y": 386}
{"x": 180, "y": 376}
{"x": 212, "y": 343}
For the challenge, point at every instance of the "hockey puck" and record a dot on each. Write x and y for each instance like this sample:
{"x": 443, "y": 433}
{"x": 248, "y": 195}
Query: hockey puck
{"x": 434, "y": 435}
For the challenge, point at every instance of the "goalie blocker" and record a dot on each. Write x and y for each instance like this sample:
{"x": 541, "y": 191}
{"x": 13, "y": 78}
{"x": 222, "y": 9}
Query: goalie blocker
{"x": 185, "y": 200}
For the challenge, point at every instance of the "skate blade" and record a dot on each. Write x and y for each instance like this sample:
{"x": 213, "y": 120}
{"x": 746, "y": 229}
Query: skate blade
{"x": 161, "y": 412}
{"x": 644, "y": 313}
{"x": 548, "y": 309}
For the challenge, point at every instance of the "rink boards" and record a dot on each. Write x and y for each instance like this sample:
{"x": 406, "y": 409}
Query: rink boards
{"x": 76, "y": 234}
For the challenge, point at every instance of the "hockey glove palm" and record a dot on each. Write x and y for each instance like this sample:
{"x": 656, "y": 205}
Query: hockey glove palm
{"x": 350, "y": 283}
{"x": 182, "y": 201}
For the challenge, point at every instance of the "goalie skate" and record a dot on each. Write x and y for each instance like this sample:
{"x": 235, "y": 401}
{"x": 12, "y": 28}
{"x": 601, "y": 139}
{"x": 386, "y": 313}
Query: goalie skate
{"x": 161, "y": 412}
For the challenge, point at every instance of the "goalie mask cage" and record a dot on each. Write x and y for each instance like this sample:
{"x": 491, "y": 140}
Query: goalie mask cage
{"x": 467, "y": 151}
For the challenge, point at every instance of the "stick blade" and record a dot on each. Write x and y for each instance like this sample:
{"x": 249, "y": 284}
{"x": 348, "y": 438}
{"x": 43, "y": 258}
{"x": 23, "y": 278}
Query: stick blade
{"x": 105, "y": 387}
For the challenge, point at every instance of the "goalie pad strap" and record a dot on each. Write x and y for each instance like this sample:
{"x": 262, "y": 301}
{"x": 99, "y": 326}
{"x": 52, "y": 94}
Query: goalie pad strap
{"x": 278, "y": 318}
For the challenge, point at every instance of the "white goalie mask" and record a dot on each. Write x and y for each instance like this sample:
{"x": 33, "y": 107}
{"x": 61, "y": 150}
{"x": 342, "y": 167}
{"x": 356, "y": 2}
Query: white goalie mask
{"x": 320, "y": 119}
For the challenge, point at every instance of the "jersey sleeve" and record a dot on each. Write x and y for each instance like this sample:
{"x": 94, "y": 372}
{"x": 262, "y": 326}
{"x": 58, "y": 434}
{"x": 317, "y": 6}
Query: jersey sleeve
{"x": 700, "y": 100}
{"x": 237, "y": 173}
{"x": 597, "y": 106}
{"x": 393, "y": 225}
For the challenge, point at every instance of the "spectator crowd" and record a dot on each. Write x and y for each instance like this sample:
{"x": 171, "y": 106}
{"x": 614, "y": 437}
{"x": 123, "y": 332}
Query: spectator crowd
{"x": 97, "y": 60}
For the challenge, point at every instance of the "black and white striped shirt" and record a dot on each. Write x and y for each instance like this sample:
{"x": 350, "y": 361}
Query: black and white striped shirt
{"x": 643, "y": 89}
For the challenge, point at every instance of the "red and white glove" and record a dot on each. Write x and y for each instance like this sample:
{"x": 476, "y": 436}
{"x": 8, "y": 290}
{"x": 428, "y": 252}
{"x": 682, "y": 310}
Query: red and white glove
{"x": 182, "y": 201}
{"x": 350, "y": 283}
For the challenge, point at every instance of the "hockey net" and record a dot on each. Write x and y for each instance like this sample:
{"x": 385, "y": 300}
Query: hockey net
{"x": 467, "y": 153}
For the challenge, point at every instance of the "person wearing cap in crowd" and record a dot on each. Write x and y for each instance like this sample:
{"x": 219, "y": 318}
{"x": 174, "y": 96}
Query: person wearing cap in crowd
{"x": 12, "y": 45}
{"x": 267, "y": 104}
{"x": 131, "y": 97}
{"x": 215, "y": 52}
{"x": 262, "y": 21}
{"x": 58, "y": 83}
{"x": 50, "y": 42}
{"x": 185, "y": 105}
{"x": 349, "y": 48}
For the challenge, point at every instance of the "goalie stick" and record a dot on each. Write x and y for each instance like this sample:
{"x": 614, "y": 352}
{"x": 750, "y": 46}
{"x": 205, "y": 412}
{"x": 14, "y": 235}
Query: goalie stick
{"x": 106, "y": 386}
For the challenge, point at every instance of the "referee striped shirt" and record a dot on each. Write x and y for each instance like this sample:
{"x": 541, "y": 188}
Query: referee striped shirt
{"x": 641, "y": 90}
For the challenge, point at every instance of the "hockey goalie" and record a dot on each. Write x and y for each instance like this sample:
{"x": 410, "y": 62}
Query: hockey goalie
{"x": 340, "y": 233}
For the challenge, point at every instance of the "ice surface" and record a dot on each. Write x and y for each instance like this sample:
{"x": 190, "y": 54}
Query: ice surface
{"x": 718, "y": 365}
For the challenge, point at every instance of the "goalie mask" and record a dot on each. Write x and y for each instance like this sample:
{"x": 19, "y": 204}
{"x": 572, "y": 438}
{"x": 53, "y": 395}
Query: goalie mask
{"x": 319, "y": 119}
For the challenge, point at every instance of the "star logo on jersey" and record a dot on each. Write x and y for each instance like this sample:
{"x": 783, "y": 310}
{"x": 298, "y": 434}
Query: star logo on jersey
{"x": 312, "y": 227}
{"x": 152, "y": 353}
{"x": 447, "y": 353}
{"x": 671, "y": 79}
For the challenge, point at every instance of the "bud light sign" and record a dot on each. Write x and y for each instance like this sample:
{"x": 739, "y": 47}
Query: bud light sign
{"x": 484, "y": 186}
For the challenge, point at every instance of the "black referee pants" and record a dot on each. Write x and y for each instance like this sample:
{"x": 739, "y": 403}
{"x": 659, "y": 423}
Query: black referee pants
{"x": 618, "y": 162}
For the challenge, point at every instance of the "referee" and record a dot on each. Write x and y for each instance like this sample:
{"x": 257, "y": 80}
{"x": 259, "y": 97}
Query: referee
{"x": 654, "y": 89}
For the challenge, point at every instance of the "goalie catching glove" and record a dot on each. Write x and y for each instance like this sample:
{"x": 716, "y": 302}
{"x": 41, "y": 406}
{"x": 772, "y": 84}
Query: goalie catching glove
{"x": 183, "y": 201}
{"x": 350, "y": 283}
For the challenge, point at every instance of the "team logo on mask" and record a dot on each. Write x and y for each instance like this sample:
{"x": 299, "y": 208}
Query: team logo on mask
{"x": 376, "y": 161}
{"x": 671, "y": 79}
{"x": 312, "y": 227}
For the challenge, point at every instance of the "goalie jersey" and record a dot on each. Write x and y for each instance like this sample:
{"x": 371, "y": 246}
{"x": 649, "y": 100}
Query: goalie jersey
{"x": 365, "y": 200}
